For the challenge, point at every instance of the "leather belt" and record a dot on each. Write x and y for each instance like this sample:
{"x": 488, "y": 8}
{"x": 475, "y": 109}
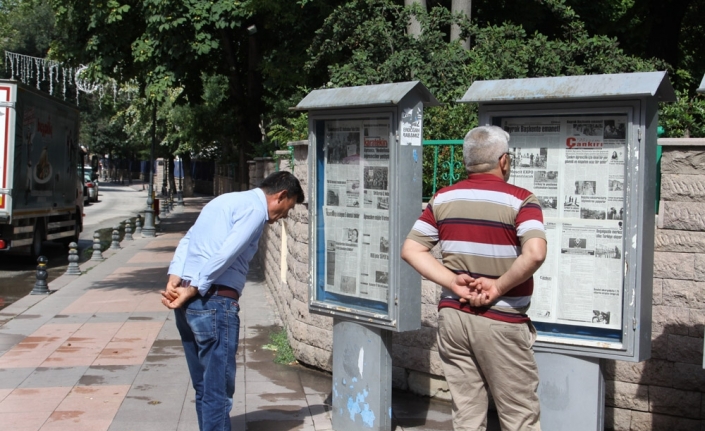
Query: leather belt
{"x": 221, "y": 290}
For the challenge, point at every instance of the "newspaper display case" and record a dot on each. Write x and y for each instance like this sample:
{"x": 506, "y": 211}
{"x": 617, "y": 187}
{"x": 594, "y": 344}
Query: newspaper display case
{"x": 365, "y": 195}
{"x": 586, "y": 147}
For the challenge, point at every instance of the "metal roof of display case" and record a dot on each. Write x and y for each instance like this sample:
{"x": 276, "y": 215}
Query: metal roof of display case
{"x": 365, "y": 96}
{"x": 562, "y": 88}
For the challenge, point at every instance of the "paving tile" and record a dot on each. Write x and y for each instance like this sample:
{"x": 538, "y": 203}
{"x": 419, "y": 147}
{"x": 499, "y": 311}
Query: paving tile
{"x": 161, "y": 257}
{"x": 88, "y": 404}
{"x": 257, "y": 388}
{"x": 10, "y": 378}
{"x": 283, "y": 402}
{"x": 192, "y": 425}
{"x": 33, "y": 399}
{"x": 24, "y": 421}
{"x": 320, "y": 411}
{"x": 80, "y": 318}
{"x": 98, "y": 375}
{"x": 44, "y": 377}
{"x": 4, "y": 393}
{"x": 75, "y": 421}
{"x": 120, "y": 424}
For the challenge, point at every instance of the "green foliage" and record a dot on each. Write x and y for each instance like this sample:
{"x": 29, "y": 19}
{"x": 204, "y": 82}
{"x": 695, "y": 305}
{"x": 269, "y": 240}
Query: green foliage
{"x": 365, "y": 42}
{"x": 280, "y": 344}
{"x": 684, "y": 118}
{"x": 27, "y": 27}
{"x": 294, "y": 129}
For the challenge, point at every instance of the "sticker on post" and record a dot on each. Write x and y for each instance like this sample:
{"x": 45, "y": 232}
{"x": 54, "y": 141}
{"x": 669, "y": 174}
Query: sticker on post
{"x": 412, "y": 125}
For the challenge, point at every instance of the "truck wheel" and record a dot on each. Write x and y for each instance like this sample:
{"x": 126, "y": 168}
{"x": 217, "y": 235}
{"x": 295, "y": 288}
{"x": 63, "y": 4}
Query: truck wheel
{"x": 36, "y": 250}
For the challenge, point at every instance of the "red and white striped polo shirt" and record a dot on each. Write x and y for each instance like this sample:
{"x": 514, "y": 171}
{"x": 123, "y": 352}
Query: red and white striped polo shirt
{"x": 481, "y": 224}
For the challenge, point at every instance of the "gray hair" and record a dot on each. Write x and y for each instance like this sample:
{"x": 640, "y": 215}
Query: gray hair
{"x": 483, "y": 148}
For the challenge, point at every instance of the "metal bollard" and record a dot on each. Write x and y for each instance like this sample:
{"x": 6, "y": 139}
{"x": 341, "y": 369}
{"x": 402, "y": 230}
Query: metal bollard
{"x": 128, "y": 230}
{"x": 166, "y": 206}
{"x": 73, "y": 268}
{"x": 97, "y": 253}
{"x": 138, "y": 225}
{"x": 115, "y": 245}
{"x": 41, "y": 287}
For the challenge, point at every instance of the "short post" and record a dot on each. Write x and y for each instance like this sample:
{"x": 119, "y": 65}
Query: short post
{"x": 97, "y": 253}
{"x": 180, "y": 193}
{"x": 166, "y": 205}
{"x": 73, "y": 268}
{"x": 41, "y": 287}
{"x": 115, "y": 245}
{"x": 128, "y": 230}
{"x": 138, "y": 225}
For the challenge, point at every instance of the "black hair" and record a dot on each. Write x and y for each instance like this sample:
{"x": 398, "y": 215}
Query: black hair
{"x": 283, "y": 180}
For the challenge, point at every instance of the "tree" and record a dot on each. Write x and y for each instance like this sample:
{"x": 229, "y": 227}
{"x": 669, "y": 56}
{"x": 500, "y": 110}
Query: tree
{"x": 167, "y": 44}
{"x": 463, "y": 7}
{"x": 27, "y": 27}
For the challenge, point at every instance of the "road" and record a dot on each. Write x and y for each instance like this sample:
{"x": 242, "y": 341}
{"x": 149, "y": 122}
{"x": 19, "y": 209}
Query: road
{"x": 115, "y": 204}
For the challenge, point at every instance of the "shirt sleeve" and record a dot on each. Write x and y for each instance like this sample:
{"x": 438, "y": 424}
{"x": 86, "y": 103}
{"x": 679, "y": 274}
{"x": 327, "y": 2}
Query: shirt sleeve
{"x": 245, "y": 230}
{"x": 179, "y": 260}
{"x": 529, "y": 220}
{"x": 425, "y": 230}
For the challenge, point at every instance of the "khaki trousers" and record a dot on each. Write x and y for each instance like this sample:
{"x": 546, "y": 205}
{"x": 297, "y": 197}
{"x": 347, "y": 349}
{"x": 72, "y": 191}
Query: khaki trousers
{"x": 480, "y": 354}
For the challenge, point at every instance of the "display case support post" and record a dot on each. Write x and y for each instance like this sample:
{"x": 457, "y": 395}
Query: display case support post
{"x": 362, "y": 377}
{"x": 571, "y": 391}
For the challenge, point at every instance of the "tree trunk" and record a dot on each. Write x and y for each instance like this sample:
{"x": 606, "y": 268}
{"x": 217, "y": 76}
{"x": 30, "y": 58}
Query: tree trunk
{"x": 463, "y": 7}
{"x": 188, "y": 182}
{"x": 413, "y": 27}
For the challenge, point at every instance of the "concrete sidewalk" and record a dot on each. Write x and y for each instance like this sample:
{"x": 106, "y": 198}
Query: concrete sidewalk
{"x": 102, "y": 353}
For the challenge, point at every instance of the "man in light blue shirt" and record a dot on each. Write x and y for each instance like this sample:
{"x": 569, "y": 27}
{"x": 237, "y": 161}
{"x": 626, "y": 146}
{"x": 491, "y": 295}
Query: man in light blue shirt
{"x": 206, "y": 278}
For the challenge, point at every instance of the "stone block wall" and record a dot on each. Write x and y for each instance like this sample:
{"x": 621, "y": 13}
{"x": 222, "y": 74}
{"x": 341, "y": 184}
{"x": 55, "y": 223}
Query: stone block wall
{"x": 666, "y": 391}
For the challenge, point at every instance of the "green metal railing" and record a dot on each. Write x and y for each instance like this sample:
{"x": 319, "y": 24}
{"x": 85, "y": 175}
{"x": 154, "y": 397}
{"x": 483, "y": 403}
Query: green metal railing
{"x": 443, "y": 165}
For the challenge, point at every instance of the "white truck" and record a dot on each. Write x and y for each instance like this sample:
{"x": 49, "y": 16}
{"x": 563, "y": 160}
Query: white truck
{"x": 41, "y": 186}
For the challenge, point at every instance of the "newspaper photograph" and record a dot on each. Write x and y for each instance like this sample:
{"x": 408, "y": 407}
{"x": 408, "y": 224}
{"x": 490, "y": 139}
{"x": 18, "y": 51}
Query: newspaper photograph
{"x": 575, "y": 167}
{"x": 356, "y": 208}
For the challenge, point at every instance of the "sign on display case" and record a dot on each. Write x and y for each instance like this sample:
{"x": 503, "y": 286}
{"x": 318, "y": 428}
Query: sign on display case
{"x": 365, "y": 195}
{"x": 586, "y": 147}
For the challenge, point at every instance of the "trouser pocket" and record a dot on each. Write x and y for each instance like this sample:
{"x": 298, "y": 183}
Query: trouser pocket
{"x": 202, "y": 324}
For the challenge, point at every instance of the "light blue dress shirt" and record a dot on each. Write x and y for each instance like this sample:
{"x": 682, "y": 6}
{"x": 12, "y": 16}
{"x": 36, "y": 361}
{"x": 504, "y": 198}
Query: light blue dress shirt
{"x": 219, "y": 246}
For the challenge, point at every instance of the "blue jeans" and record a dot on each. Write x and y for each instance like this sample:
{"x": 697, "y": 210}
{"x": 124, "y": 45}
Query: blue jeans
{"x": 209, "y": 328}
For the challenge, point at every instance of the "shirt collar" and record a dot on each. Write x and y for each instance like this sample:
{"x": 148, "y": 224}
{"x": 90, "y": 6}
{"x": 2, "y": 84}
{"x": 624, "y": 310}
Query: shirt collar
{"x": 263, "y": 200}
{"x": 485, "y": 177}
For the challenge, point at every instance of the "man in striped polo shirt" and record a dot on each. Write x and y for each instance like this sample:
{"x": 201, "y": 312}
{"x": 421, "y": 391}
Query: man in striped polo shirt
{"x": 491, "y": 238}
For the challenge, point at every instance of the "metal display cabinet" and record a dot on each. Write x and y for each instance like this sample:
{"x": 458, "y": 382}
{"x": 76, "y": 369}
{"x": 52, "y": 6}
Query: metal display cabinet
{"x": 586, "y": 147}
{"x": 365, "y": 195}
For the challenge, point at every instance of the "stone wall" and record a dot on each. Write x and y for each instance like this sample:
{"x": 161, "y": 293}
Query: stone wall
{"x": 666, "y": 391}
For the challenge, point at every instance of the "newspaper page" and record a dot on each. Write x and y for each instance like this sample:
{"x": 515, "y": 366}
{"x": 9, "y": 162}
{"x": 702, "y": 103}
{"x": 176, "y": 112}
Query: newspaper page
{"x": 356, "y": 208}
{"x": 575, "y": 167}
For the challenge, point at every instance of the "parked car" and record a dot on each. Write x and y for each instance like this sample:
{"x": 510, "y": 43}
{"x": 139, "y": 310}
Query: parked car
{"x": 88, "y": 170}
{"x": 91, "y": 189}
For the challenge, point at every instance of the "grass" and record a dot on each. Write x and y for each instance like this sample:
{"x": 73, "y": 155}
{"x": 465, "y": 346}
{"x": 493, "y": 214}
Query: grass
{"x": 280, "y": 345}
{"x": 106, "y": 238}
